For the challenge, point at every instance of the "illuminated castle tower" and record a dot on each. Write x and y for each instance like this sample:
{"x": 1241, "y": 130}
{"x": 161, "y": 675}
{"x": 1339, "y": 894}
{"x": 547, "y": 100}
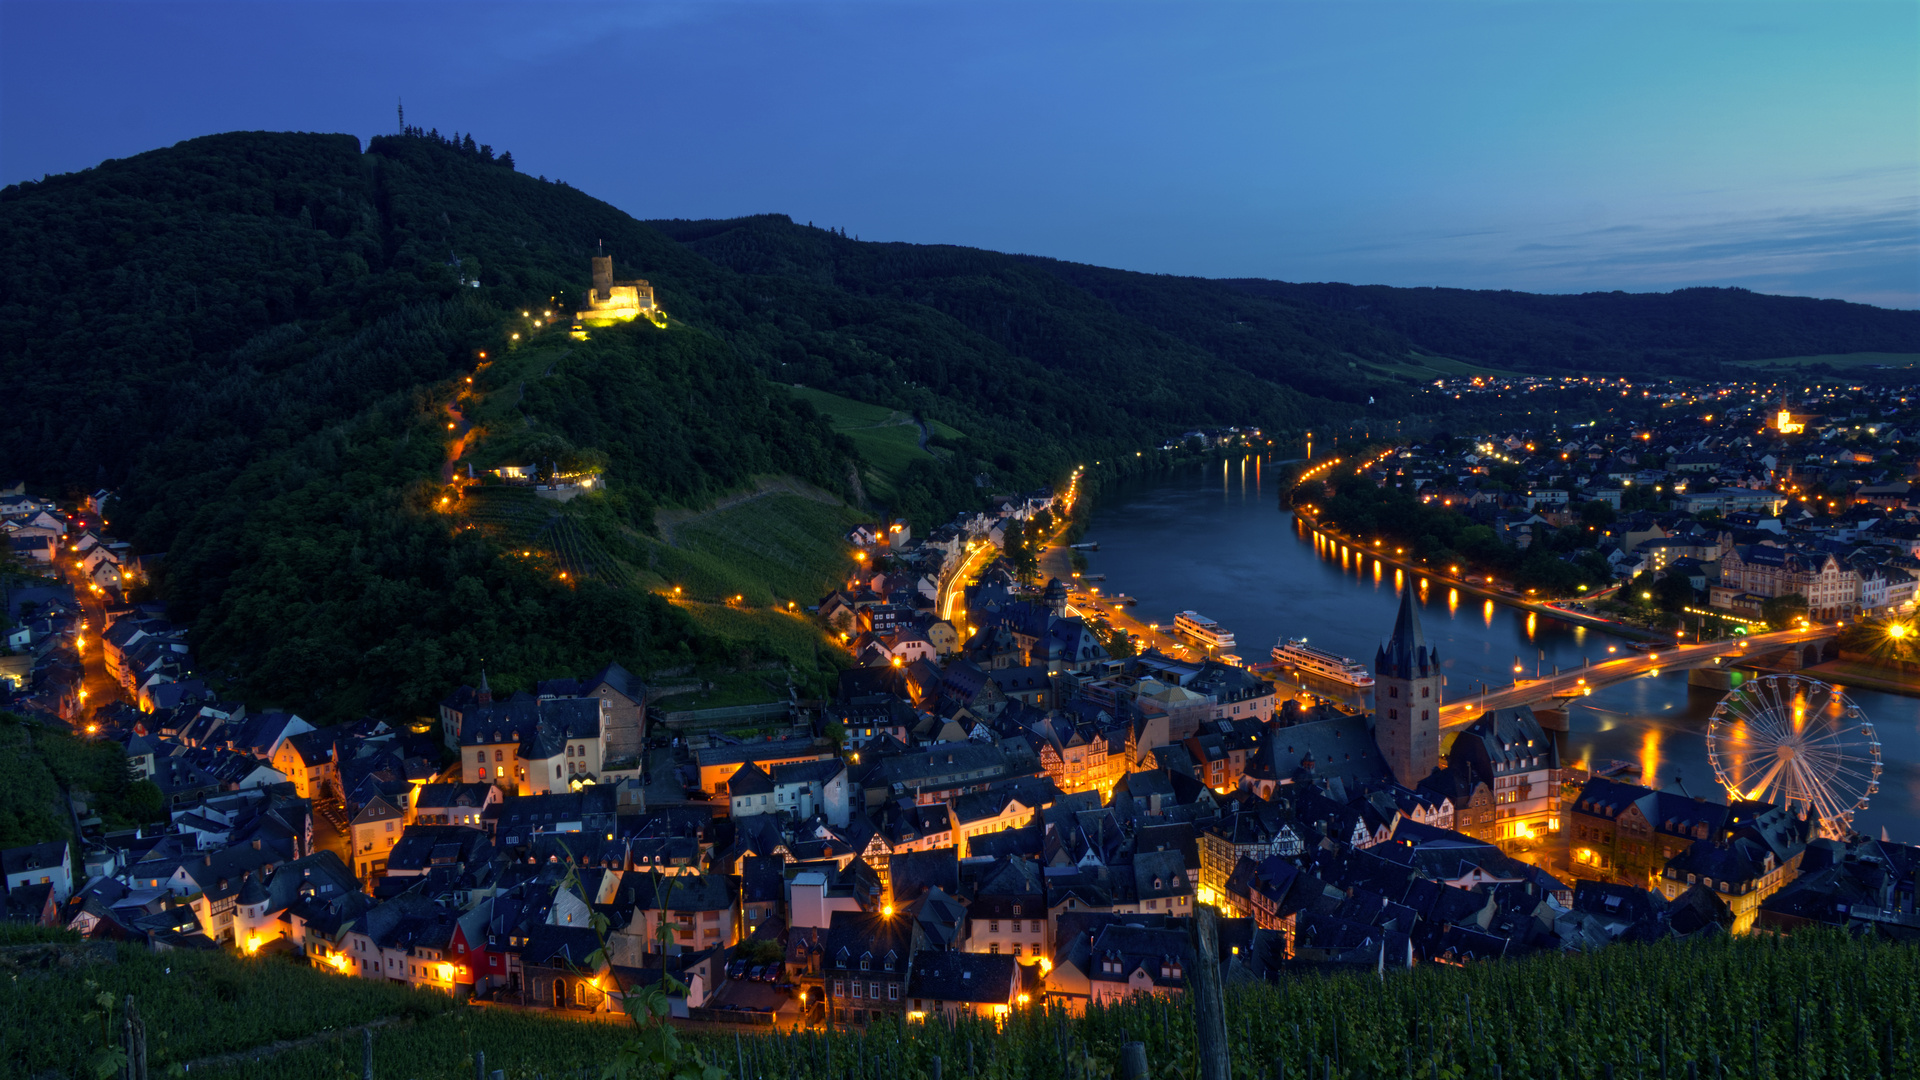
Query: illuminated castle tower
{"x": 616, "y": 301}
{"x": 1406, "y": 698}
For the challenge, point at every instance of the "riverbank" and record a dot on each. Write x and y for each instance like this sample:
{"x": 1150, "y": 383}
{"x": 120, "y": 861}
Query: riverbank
{"x": 1852, "y": 673}
{"x": 1512, "y": 600}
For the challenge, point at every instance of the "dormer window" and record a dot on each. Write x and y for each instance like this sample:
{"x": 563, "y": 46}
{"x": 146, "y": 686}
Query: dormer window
{"x": 866, "y": 962}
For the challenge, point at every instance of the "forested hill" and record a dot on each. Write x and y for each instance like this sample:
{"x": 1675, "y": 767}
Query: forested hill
{"x": 1303, "y": 335}
{"x": 1687, "y": 331}
{"x": 251, "y": 336}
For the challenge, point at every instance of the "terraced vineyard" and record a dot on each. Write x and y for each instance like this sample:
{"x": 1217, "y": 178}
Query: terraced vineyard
{"x": 1813, "y": 1006}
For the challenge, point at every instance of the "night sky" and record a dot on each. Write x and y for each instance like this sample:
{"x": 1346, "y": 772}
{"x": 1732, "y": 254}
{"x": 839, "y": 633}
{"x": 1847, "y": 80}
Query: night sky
{"x": 1542, "y": 146}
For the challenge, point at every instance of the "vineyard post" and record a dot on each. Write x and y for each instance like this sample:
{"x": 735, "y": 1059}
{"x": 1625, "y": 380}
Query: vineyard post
{"x": 499, "y": 1074}
{"x": 1209, "y": 1008}
{"x": 138, "y": 1062}
{"x": 479, "y": 1065}
{"x": 933, "y": 1066}
{"x": 1133, "y": 1061}
{"x": 366, "y": 1053}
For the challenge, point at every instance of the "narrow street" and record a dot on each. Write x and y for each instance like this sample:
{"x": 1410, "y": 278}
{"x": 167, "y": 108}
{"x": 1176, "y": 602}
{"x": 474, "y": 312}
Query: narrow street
{"x": 97, "y": 688}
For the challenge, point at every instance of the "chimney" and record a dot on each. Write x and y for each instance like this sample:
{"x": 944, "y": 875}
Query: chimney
{"x": 256, "y": 843}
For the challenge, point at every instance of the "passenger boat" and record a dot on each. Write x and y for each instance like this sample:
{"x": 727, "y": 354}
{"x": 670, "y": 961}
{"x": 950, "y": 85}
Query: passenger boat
{"x": 1203, "y": 630}
{"x": 1295, "y": 653}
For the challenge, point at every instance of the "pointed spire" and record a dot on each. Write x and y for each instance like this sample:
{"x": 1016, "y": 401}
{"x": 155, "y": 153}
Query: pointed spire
{"x": 1405, "y": 655}
{"x": 1408, "y": 623}
{"x": 485, "y": 695}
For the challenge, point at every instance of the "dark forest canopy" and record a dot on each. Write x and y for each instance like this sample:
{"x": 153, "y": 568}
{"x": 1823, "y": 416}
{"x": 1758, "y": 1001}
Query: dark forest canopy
{"x": 248, "y": 337}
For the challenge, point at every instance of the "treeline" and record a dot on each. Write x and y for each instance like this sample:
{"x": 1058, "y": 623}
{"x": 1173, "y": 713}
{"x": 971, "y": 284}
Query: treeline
{"x": 465, "y": 144}
{"x": 1558, "y": 563}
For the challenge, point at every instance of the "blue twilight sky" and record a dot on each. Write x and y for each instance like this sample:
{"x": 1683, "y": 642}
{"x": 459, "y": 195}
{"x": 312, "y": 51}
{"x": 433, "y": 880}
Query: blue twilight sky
{"x": 1545, "y": 145}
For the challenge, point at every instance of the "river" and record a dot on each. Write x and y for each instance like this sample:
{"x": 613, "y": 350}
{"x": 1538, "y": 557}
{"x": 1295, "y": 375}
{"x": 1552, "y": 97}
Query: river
{"x": 1214, "y": 539}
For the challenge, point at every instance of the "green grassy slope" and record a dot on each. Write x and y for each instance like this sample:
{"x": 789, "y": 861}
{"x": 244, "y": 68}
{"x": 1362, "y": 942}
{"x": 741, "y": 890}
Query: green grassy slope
{"x": 888, "y": 440}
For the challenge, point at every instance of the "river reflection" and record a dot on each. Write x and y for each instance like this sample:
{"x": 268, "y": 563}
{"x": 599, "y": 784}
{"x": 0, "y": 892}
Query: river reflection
{"x": 1213, "y": 539}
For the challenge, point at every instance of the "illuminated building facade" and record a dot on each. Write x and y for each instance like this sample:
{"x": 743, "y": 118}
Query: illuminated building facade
{"x": 617, "y": 301}
{"x": 1518, "y": 762}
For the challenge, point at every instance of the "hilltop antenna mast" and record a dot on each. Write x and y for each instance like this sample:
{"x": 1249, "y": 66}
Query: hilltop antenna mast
{"x": 401, "y": 105}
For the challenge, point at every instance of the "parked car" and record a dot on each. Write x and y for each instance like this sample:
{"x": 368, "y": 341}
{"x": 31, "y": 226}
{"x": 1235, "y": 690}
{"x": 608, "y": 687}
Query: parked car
{"x": 736, "y": 969}
{"x": 773, "y": 973}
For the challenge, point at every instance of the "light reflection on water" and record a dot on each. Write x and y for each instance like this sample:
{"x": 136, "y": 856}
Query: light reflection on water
{"x": 1178, "y": 542}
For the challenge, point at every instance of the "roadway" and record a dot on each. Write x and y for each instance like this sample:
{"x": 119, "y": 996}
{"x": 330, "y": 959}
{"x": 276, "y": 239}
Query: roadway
{"x": 96, "y": 686}
{"x": 953, "y": 598}
{"x": 1576, "y": 682}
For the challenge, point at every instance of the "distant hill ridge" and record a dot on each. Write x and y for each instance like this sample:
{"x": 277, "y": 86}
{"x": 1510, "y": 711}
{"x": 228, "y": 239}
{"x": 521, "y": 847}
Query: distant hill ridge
{"x": 246, "y": 335}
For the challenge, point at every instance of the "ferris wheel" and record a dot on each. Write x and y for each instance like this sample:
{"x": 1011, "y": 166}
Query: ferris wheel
{"x": 1799, "y": 742}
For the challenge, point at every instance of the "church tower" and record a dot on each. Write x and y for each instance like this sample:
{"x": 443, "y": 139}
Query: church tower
{"x": 1406, "y": 698}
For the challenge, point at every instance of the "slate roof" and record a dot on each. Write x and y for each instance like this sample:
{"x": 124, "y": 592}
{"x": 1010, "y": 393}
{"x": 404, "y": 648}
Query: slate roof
{"x": 537, "y": 725}
{"x": 884, "y": 941}
{"x": 913, "y": 873}
{"x": 976, "y": 978}
{"x": 749, "y": 779}
{"x": 1341, "y": 747}
{"x": 33, "y": 857}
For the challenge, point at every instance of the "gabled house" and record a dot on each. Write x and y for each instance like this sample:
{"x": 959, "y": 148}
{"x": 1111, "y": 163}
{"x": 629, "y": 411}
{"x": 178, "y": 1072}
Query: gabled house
{"x": 864, "y": 958}
{"x": 453, "y": 804}
{"x": 378, "y": 818}
{"x": 40, "y": 864}
{"x": 311, "y": 760}
{"x": 951, "y": 985}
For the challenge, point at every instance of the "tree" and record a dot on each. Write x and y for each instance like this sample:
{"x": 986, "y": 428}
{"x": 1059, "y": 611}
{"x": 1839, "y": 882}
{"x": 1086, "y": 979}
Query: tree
{"x": 1642, "y": 591}
{"x": 1597, "y": 513}
{"x": 1781, "y": 612}
{"x": 145, "y": 800}
{"x": 1674, "y": 593}
{"x": 1639, "y": 497}
{"x": 1019, "y": 553}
